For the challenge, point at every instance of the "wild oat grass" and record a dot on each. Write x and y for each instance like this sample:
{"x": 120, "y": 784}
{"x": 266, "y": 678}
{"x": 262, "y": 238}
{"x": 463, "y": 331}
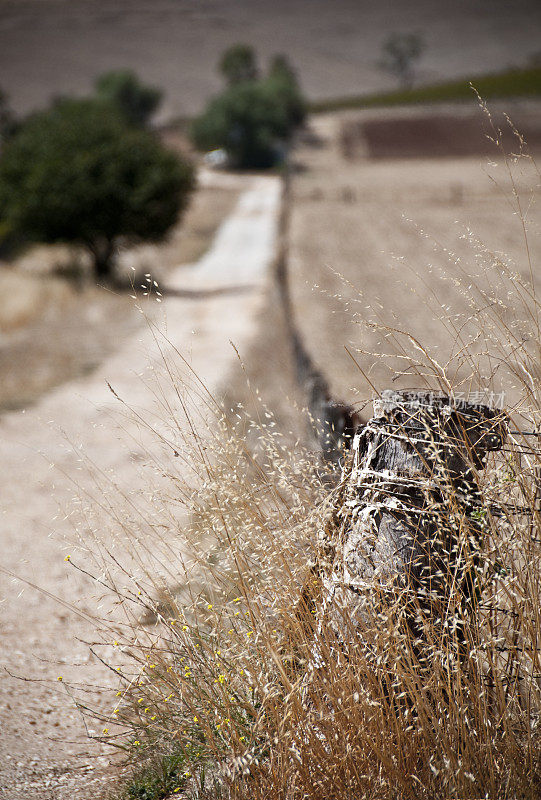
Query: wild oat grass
{"x": 248, "y": 691}
{"x": 232, "y": 671}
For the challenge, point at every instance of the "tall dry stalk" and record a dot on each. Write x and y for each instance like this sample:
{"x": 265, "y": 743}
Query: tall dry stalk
{"x": 232, "y": 668}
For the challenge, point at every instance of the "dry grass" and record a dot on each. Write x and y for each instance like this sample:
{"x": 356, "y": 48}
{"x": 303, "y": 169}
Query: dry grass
{"x": 227, "y": 679}
{"x": 230, "y": 686}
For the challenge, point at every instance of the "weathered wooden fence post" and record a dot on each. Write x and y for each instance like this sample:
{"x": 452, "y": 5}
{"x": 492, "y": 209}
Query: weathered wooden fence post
{"x": 407, "y": 524}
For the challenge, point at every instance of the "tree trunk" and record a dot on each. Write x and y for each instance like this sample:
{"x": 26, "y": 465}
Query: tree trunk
{"x": 406, "y": 530}
{"x": 102, "y": 258}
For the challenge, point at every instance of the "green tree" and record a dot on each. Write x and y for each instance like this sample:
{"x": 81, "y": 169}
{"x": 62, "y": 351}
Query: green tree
{"x": 283, "y": 82}
{"x": 400, "y": 52}
{"x": 253, "y": 119}
{"x": 248, "y": 121}
{"x": 7, "y": 120}
{"x": 238, "y": 64}
{"x": 78, "y": 173}
{"x": 123, "y": 89}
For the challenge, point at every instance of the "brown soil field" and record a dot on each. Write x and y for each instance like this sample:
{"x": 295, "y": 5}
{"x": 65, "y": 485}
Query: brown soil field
{"x": 399, "y": 240}
{"x": 439, "y": 136}
{"x": 52, "y": 47}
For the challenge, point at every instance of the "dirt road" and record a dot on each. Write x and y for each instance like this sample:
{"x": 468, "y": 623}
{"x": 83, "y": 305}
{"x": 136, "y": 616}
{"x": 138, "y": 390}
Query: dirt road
{"x": 44, "y": 753}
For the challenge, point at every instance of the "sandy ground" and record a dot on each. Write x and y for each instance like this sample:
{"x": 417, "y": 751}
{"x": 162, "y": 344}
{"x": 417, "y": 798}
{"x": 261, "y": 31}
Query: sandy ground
{"x": 45, "y": 754}
{"x": 386, "y": 239}
{"x": 51, "y": 47}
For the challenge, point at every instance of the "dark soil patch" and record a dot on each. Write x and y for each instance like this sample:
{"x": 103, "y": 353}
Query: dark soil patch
{"x": 440, "y": 136}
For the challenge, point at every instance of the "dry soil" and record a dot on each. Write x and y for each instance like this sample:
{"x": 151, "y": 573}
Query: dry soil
{"x": 399, "y": 239}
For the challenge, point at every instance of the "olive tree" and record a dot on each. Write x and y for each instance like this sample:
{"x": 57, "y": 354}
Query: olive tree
{"x": 78, "y": 173}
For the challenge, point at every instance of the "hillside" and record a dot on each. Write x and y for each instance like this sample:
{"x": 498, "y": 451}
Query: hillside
{"x": 51, "y": 47}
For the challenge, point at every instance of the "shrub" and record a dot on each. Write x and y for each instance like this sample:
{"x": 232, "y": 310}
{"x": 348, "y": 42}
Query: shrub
{"x": 133, "y": 99}
{"x": 77, "y": 173}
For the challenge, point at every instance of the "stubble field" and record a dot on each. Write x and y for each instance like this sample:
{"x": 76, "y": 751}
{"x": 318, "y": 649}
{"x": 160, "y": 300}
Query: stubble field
{"x": 401, "y": 241}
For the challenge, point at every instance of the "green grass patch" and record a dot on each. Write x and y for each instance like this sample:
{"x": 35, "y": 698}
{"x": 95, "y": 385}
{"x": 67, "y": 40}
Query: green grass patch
{"x": 512, "y": 83}
{"x": 156, "y": 781}
{"x": 177, "y": 774}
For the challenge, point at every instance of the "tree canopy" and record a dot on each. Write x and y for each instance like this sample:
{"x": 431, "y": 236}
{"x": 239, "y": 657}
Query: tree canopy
{"x": 7, "y": 120}
{"x": 247, "y": 121}
{"x": 253, "y": 118}
{"x": 78, "y": 173}
{"x": 134, "y": 100}
{"x": 238, "y": 64}
{"x": 285, "y": 85}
